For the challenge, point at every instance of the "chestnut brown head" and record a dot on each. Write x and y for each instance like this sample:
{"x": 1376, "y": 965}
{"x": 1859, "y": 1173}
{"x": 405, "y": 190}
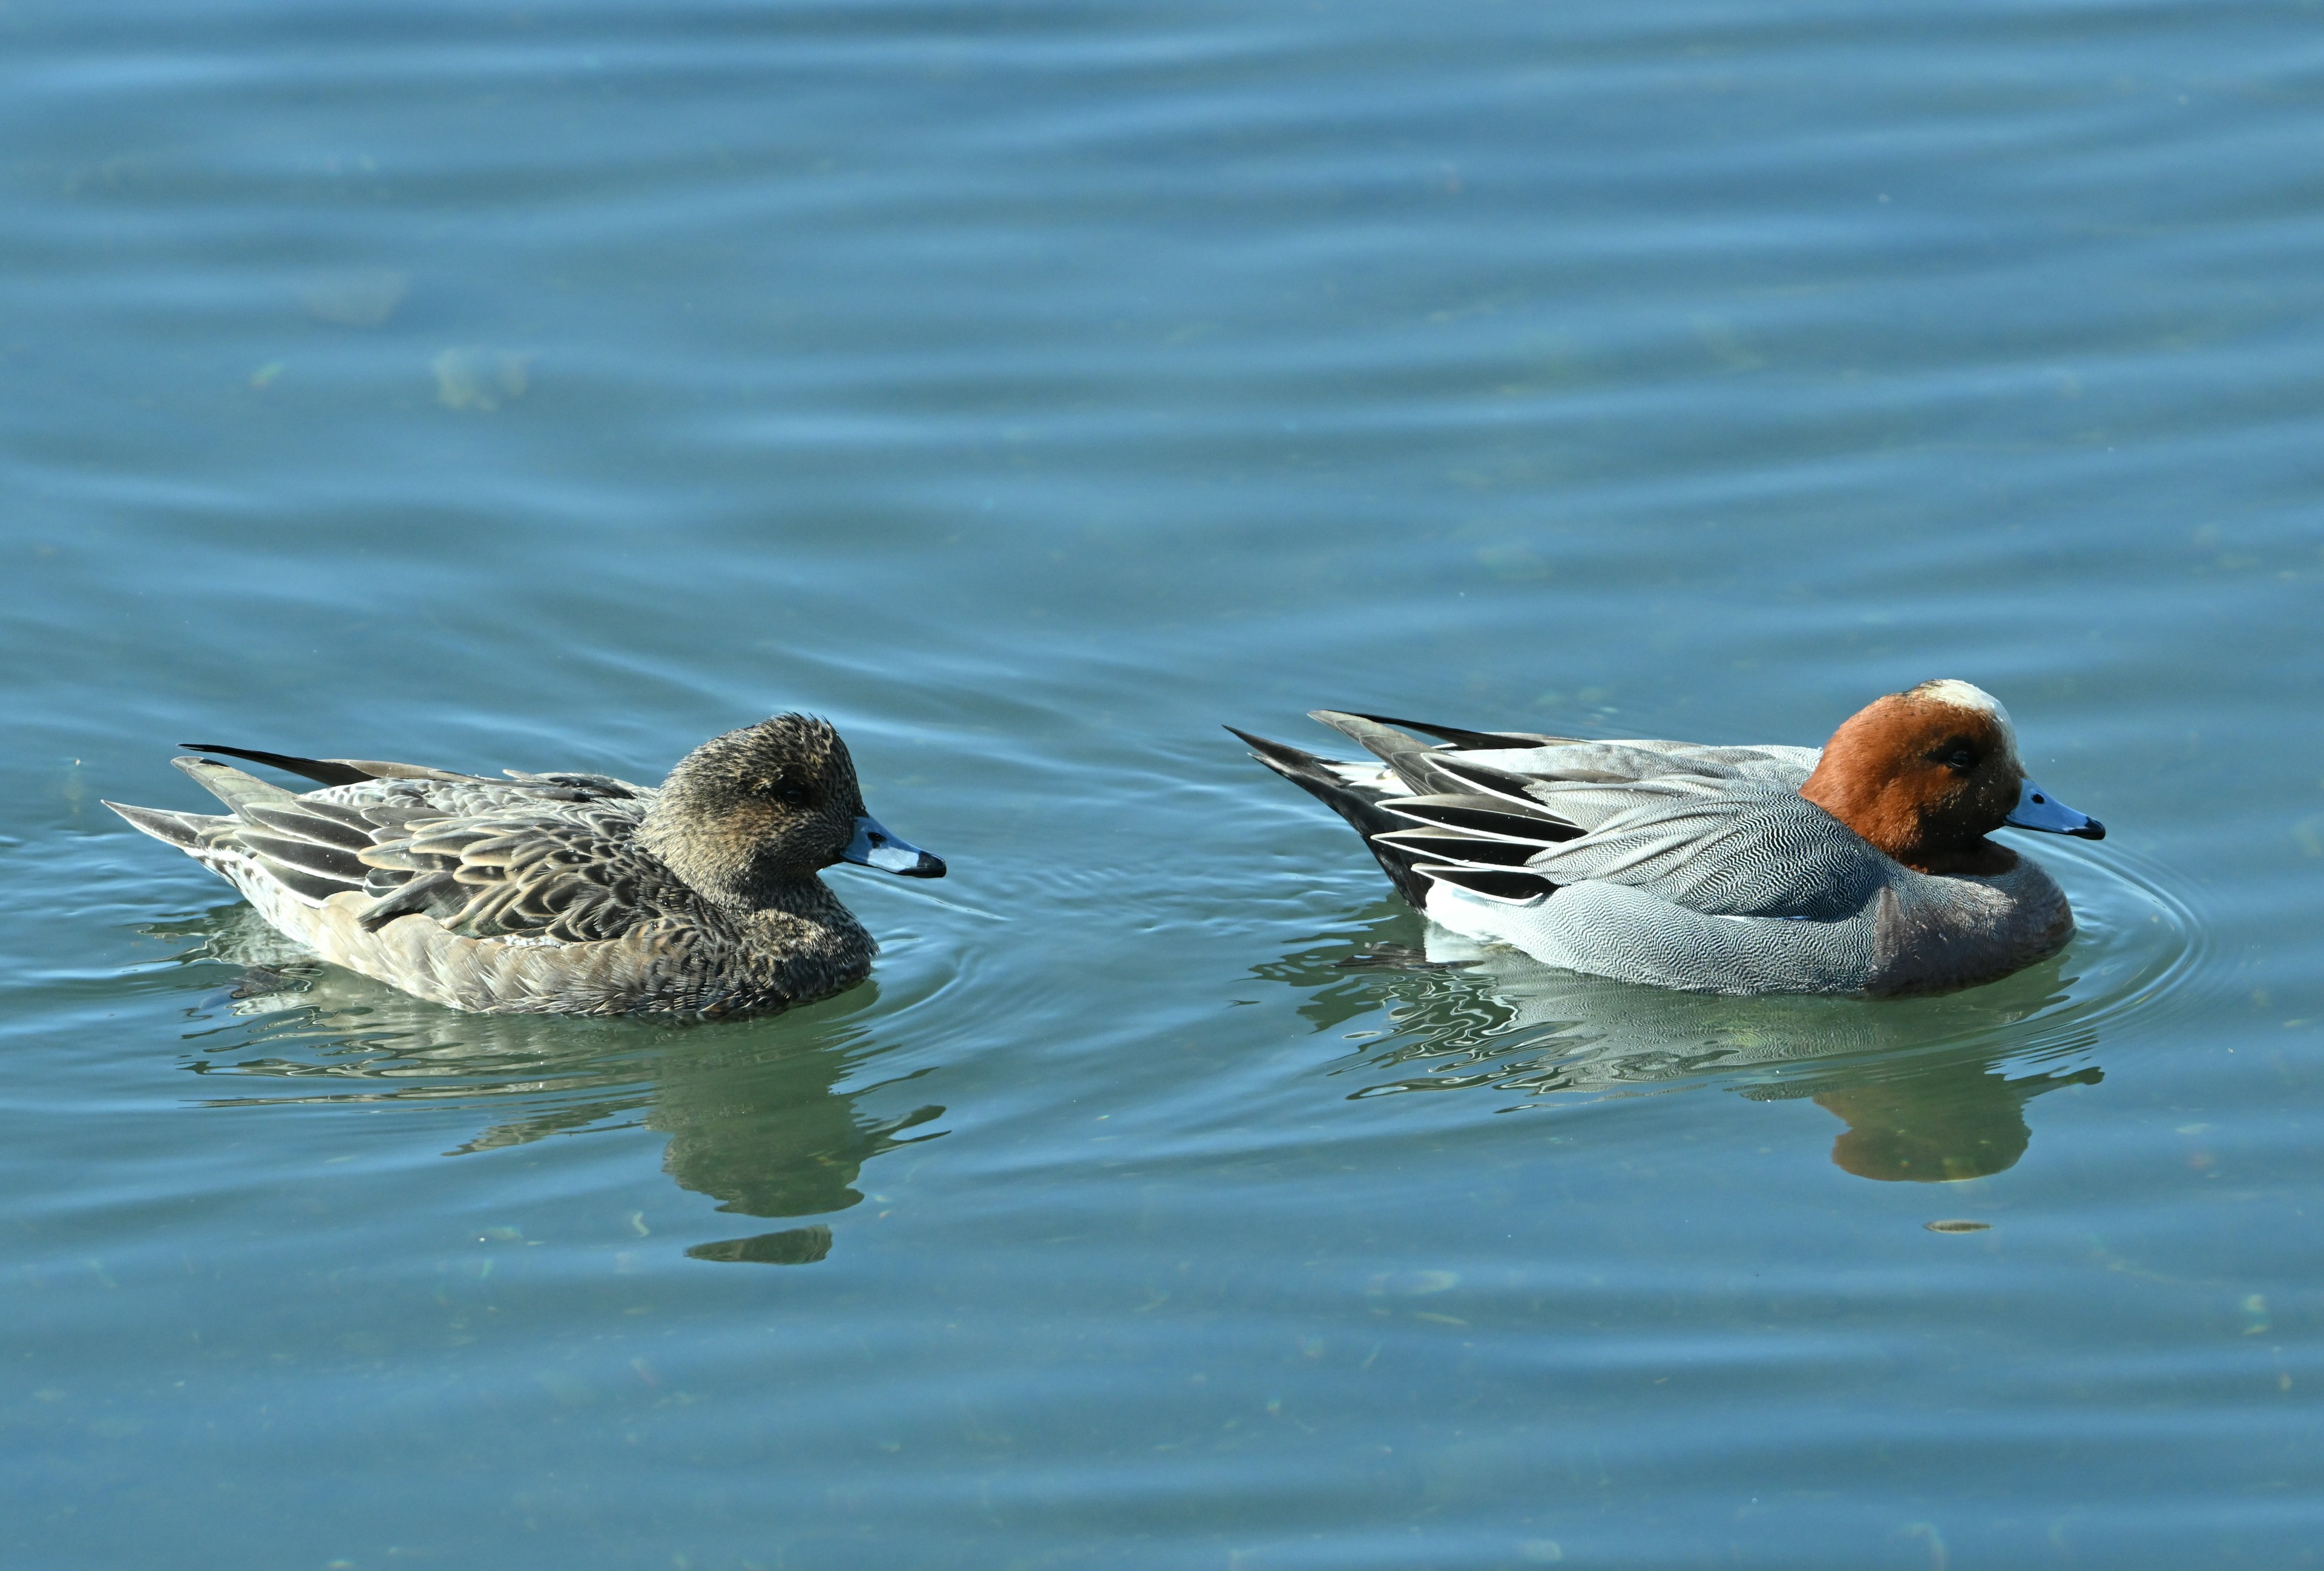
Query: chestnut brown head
{"x": 1926, "y": 774}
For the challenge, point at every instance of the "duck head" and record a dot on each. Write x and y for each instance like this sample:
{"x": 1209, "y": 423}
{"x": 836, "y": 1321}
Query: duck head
{"x": 1926, "y": 774}
{"x": 769, "y": 806}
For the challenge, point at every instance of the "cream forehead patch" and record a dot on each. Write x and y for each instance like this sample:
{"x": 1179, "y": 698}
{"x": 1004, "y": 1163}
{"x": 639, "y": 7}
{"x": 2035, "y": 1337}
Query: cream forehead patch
{"x": 1965, "y": 696}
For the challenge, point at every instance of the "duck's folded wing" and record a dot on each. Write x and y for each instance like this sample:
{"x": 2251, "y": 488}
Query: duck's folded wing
{"x": 1590, "y": 783}
{"x": 1764, "y": 764}
{"x": 1743, "y": 850}
{"x": 571, "y": 873}
{"x": 569, "y": 786}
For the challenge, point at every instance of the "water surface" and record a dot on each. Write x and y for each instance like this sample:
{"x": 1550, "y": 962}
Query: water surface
{"x": 1031, "y": 389}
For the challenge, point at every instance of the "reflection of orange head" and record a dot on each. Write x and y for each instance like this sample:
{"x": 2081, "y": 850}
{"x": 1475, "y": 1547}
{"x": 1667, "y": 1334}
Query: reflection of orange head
{"x": 1900, "y": 1131}
{"x": 1925, "y": 775}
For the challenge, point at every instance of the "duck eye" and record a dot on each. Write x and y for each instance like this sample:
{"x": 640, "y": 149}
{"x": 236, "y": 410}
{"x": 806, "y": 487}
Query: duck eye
{"x": 790, "y": 795}
{"x": 1960, "y": 759}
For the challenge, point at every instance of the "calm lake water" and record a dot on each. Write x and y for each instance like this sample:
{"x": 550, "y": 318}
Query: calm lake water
{"x": 1032, "y": 388}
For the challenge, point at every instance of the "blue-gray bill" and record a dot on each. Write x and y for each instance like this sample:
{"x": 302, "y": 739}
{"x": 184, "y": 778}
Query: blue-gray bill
{"x": 874, "y": 847}
{"x": 2038, "y": 810}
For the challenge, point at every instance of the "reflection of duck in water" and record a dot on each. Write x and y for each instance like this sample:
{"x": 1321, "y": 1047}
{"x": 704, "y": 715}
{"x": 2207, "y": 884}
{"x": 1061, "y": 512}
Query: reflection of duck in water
{"x": 759, "y": 1127}
{"x": 752, "y": 1110}
{"x": 1944, "y": 1120}
{"x": 1922, "y": 1084}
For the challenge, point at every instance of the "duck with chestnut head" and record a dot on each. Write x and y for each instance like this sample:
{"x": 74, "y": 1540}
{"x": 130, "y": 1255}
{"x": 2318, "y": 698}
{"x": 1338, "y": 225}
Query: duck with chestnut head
{"x": 1863, "y": 867}
{"x": 565, "y": 893}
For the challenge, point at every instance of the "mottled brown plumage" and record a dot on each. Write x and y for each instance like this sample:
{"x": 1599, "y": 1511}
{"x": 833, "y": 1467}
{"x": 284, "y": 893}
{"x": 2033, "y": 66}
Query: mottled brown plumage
{"x": 562, "y": 894}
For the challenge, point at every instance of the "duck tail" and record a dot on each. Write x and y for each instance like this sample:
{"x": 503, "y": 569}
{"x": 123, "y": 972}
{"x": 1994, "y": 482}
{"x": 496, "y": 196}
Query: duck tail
{"x": 1495, "y": 740}
{"x": 340, "y": 772}
{"x": 329, "y": 771}
{"x": 1353, "y": 792}
{"x": 183, "y": 831}
{"x": 1428, "y": 769}
{"x": 230, "y": 785}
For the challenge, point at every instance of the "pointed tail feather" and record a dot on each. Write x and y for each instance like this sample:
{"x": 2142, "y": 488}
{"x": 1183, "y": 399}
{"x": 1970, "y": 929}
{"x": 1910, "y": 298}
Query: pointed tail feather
{"x": 1495, "y": 740}
{"x": 183, "y": 831}
{"x": 1479, "y": 827}
{"x": 1473, "y": 776}
{"x": 230, "y": 785}
{"x": 1322, "y": 779}
{"x": 1376, "y": 737}
{"x": 330, "y": 772}
{"x": 1430, "y": 770}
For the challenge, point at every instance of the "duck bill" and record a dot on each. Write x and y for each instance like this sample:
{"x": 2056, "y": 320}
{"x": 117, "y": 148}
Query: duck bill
{"x": 2038, "y": 810}
{"x": 874, "y": 847}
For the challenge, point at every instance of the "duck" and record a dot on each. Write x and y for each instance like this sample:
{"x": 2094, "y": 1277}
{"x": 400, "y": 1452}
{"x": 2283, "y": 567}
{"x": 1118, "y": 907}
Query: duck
{"x": 1860, "y": 868}
{"x": 560, "y": 894}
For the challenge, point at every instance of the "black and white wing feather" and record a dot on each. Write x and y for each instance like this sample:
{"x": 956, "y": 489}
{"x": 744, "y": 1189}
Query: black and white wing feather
{"x": 1514, "y": 817}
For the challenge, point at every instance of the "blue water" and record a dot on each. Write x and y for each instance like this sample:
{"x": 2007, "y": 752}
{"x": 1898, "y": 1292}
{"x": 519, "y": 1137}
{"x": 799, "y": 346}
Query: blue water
{"x": 1031, "y": 389}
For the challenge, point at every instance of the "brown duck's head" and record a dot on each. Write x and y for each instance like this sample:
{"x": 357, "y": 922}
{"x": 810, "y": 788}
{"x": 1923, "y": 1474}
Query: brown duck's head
{"x": 770, "y": 805}
{"x": 1926, "y": 774}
